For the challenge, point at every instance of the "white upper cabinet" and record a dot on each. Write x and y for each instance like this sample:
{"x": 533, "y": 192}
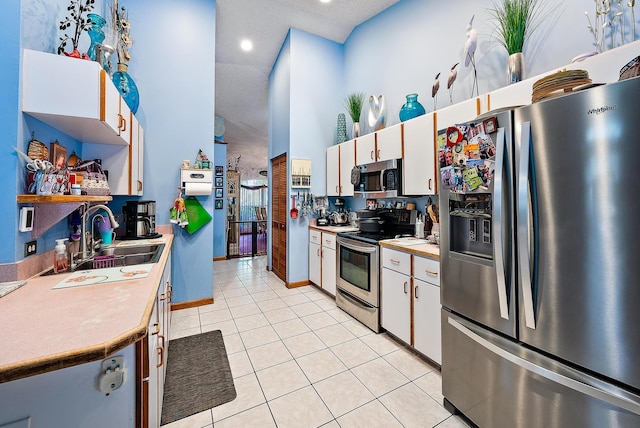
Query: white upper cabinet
{"x": 347, "y": 162}
{"x": 379, "y": 146}
{"x": 389, "y": 143}
{"x": 464, "y": 111}
{"x": 333, "y": 170}
{"x": 74, "y": 96}
{"x": 366, "y": 149}
{"x": 419, "y": 166}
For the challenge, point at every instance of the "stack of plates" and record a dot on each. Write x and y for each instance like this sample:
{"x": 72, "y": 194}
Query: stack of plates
{"x": 559, "y": 83}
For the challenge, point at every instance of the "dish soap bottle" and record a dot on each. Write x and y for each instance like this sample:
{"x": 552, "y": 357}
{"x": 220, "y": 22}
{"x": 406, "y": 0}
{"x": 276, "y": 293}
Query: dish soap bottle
{"x": 60, "y": 257}
{"x": 419, "y": 227}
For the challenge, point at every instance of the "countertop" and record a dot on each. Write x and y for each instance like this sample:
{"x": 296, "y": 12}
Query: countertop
{"x": 419, "y": 247}
{"x": 45, "y": 329}
{"x": 334, "y": 229}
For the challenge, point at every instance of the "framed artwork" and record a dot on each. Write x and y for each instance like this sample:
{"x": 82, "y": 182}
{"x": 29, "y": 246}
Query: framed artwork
{"x": 58, "y": 155}
{"x": 219, "y": 203}
{"x": 218, "y": 181}
{"x": 219, "y": 171}
{"x": 490, "y": 125}
{"x": 218, "y": 192}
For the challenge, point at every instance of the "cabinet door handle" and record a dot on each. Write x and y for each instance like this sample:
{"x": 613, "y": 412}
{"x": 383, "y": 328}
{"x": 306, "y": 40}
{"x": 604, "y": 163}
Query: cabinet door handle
{"x": 371, "y": 155}
{"x": 124, "y": 123}
{"x": 157, "y": 326}
{"x": 378, "y": 153}
{"x": 405, "y": 287}
{"x": 394, "y": 261}
{"x": 163, "y": 296}
{"x": 337, "y": 190}
{"x": 431, "y": 272}
{"x": 328, "y": 241}
{"x": 160, "y": 350}
{"x": 139, "y": 186}
{"x": 430, "y": 182}
{"x": 170, "y": 287}
{"x": 416, "y": 291}
{"x": 318, "y": 250}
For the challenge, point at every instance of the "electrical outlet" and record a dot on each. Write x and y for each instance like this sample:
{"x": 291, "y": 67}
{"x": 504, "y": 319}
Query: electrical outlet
{"x": 30, "y": 248}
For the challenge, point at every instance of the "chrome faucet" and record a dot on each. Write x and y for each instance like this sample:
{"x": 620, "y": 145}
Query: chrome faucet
{"x": 87, "y": 210}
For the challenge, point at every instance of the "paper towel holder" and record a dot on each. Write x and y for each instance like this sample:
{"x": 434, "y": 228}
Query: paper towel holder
{"x": 196, "y": 181}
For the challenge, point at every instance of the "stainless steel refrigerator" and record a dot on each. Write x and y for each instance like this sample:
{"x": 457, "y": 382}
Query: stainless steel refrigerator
{"x": 541, "y": 265}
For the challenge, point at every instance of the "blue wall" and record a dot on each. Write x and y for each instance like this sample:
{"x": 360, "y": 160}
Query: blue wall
{"x": 316, "y": 66}
{"x": 173, "y": 64}
{"x": 9, "y": 105}
{"x": 279, "y": 107}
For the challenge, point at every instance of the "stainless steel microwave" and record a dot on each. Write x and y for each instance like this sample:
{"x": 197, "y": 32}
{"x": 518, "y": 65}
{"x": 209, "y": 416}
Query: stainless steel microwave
{"x": 378, "y": 180}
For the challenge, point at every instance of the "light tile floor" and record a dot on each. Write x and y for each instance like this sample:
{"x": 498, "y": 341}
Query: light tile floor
{"x": 299, "y": 361}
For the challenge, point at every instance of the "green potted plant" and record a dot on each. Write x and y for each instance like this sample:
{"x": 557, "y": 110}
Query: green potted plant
{"x": 353, "y": 104}
{"x": 516, "y": 21}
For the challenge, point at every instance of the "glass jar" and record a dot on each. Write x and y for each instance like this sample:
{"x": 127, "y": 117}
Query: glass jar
{"x": 95, "y": 34}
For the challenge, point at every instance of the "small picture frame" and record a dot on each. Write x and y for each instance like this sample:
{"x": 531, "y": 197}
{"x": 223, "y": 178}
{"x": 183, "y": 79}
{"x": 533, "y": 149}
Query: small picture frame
{"x": 490, "y": 125}
{"x": 219, "y": 170}
{"x": 58, "y": 155}
{"x": 218, "y": 192}
{"x": 218, "y": 181}
{"x": 219, "y": 203}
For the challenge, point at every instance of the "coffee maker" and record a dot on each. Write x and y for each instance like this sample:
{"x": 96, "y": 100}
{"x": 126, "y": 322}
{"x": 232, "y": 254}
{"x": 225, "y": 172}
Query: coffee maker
{"x": 140, "y": 220}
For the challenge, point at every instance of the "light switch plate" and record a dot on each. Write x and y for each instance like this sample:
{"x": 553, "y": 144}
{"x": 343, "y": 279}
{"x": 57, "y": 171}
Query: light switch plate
{"x": 26, "y": 219}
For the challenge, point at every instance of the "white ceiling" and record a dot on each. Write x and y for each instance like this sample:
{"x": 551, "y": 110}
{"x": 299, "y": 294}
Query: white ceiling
{"x": 242, "y": 78}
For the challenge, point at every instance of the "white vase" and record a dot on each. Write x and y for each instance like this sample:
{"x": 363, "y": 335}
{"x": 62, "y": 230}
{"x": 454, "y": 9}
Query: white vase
{"x": 515, "y": 68}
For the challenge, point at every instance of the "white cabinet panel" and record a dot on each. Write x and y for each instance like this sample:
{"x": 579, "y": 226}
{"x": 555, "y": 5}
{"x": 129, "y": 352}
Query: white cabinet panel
{"x": 347, "y": 162}
{"x": 333, "y": 170}
{"x": 315, "y": 261}
{"x": 389, "y": 143}
{"x": 395, "y": 304}
{"x": 419, "y": 163}
{"x": 426, "y": 320}
{"x": 366, "y": 149}
{"x": 329, "y": 270}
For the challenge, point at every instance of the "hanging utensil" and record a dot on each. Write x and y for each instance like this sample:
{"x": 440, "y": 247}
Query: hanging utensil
{"x": 294, "y": 210}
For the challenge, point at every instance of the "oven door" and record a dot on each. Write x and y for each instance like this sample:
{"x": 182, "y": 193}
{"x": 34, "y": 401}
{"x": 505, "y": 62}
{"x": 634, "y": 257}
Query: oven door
{"x": 358, "y": 269}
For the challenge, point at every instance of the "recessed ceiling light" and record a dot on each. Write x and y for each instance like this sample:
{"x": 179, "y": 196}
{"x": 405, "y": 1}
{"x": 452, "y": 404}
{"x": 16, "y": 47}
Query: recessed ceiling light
{"x": 325, "y": 1}
{"x": 246, "y": 45}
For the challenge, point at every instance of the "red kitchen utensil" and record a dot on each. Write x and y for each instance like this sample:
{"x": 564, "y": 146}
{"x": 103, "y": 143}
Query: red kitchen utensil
{"x": 294, "y": 210}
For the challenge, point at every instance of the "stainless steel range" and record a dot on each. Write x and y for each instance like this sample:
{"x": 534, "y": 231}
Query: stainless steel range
{"x": 358, "y": 266}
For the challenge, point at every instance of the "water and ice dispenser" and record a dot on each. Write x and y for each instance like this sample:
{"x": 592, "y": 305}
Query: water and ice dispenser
{"x": 470, "y": 224}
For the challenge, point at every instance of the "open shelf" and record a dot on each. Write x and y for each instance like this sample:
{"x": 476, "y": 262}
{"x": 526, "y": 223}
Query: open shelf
{"x": 50, "y": 209}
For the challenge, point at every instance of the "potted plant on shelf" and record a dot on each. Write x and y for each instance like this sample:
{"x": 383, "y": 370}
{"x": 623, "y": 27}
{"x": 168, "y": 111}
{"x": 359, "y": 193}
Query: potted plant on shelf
{"x": 353, "y": 104}
{"x": 516, "y": 21}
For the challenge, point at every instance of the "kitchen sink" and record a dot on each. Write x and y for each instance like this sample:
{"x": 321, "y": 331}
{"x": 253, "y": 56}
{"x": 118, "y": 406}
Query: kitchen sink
{"x": 118, "y": 257}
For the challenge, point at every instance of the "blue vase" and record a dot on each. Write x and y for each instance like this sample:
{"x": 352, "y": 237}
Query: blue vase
{"x": 412, "y": 108}
{"x": 127, "y": 87}
{"x": 95, "y": 34}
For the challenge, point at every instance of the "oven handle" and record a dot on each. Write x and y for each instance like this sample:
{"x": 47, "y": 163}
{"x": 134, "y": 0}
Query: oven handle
{"x": 357, "y": 246}
{"x": 355, "y": 302}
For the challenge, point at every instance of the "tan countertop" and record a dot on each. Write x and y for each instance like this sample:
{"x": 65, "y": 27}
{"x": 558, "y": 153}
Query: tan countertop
{"x": 334, "y": 229}
{"x": 44, "y": 329}
{"x": 421, "y": 249}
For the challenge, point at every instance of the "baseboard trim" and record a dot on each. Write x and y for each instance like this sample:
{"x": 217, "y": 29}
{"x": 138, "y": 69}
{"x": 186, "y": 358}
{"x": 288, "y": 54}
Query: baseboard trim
{"x": 298, "y": 284}
{"x": 219, "y": 259}
{"x": 191, "y": 304}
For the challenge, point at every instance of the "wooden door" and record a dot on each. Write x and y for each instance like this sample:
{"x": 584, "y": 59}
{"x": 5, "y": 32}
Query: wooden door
{"x": 279, "y": 210}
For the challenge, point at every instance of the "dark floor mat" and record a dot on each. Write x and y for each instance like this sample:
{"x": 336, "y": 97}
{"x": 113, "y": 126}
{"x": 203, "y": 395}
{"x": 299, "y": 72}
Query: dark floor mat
{"x": 198, "y": 376}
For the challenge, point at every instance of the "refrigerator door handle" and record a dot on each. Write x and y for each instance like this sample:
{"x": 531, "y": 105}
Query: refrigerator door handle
{"x": 524, "y": 256}
{"x": 498, "y": 249}
{"x": 613, "y": 396}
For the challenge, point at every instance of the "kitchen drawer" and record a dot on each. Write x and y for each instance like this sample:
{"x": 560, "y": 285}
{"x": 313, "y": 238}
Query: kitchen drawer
{"x": 396, "y": 260}
{"x": 315, "y": 236}
{"x": 329, "y": 240}
{"x": 427, "y": 270}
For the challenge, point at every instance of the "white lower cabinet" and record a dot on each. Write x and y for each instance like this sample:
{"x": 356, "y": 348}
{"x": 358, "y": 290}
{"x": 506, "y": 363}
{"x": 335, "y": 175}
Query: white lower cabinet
{"x": 407, "y": 278}
{"x": 396, "y": 304}
{"x": 322, "y": 260}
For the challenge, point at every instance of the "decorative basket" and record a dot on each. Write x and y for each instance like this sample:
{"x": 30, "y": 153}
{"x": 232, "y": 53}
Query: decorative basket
{"x": 94, "y": 183}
